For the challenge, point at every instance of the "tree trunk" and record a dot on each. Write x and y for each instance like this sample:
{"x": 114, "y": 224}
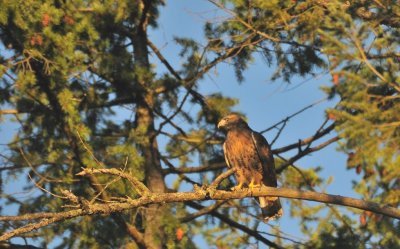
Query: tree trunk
{"x": 154, "y": 179}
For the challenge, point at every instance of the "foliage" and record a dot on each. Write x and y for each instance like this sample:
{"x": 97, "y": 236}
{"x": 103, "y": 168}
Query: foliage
{"x": 86, "y": 96}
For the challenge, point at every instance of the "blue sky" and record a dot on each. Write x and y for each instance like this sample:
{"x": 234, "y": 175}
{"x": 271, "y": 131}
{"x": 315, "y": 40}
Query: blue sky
{"x": 264, "y": 102}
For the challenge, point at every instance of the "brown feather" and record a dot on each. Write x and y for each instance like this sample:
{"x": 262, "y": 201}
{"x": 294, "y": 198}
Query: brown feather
{"x": 249, "y": 153}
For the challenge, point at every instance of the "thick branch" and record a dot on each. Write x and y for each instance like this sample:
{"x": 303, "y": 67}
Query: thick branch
{"x": 203, "y": 194}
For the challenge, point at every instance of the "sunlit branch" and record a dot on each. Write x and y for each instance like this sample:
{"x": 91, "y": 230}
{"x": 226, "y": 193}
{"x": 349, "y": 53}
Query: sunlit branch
{"x": 195, "y": 169}
{"x": 137, "y": 185}
{"x": 200, "y": 194}
{"x": 9, "y": 111}
{"x": 221, "y": 177}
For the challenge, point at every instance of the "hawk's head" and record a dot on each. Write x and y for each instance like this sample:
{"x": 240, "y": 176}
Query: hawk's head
{"x": 232, "y": 121}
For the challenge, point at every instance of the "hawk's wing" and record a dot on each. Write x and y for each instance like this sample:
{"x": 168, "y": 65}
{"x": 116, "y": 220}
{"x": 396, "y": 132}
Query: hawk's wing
{"x": 266, "y": 158}
{"x": 225, "y": 155}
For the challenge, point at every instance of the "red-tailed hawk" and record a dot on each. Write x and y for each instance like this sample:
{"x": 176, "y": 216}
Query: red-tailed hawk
{"x": 249, "y": 153}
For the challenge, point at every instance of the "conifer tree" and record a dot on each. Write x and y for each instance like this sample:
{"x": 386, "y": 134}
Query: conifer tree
{"x": 97, "y": 124}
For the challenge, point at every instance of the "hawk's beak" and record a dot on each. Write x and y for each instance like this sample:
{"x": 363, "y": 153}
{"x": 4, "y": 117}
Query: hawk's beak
{"x": 221, "y": 124}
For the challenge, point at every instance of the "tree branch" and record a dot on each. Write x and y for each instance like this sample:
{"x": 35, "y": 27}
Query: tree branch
{"x": 198, "y": 169}
{"x": 201, "y": 212}
{"x": 199, "y": 195}
{"x": 285, "y": 120}
{"x": 307, "y": 151}
{"x": 8, "y": 111}
{"x": 237, "y": 225}
{"x": 138, "y": 185}
{"x": 306, "y": 141}
{"x": 6, "y": 245}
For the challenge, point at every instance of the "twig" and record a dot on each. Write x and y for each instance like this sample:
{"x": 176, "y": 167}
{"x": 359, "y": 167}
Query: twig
{"x": 88, "y": 149}
{"x": 197, "y": 169}
{"x": 304, "y": 152}
{"x": 294, "y": 114}
{"x": 169, "y": 119}
{"x": 138, "y": 185}
{"x": 279, "y": 132}
{"x": 305, "y": 141}
{"x": 8, "y": 111}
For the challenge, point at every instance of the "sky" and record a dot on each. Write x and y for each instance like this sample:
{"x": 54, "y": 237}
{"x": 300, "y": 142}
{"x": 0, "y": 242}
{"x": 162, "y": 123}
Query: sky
{"x": 264, "y": 102}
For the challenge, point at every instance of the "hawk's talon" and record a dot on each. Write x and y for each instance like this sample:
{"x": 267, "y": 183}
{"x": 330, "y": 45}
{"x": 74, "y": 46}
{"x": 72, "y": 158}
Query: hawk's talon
{"x": 252, "y": 185}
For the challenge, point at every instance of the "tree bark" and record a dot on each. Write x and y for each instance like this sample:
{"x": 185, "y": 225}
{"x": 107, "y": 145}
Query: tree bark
{"x": 154, "y": 179}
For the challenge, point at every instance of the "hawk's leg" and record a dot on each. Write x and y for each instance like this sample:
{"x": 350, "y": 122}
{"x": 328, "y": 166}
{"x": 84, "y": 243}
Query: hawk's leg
{"x": 237, "y": 187}
{"x": 252, "y": 185}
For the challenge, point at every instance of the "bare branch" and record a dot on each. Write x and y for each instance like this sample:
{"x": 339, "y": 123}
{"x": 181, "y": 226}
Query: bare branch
{"x": 8, "y": 111}
{"x": 204, "y": 194}
{"x": 305, "y": 141}
{"x": 163, "y": 60}
{"x": 304, "y": 152}
{"x": 138, "y": 185}
{"x": 237, "y": 225}
{"x": 201, "y": 212}
{"x": 198, "y": 169}
{"x": 221, "y": 177}
{"x": 285, "y": 120}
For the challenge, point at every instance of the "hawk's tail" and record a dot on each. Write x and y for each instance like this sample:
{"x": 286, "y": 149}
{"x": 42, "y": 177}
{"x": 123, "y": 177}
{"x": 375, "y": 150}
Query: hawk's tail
{"x": 271, "y": 208}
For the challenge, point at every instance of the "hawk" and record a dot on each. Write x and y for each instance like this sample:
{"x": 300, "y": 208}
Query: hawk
{"x": 249, "y": 153}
